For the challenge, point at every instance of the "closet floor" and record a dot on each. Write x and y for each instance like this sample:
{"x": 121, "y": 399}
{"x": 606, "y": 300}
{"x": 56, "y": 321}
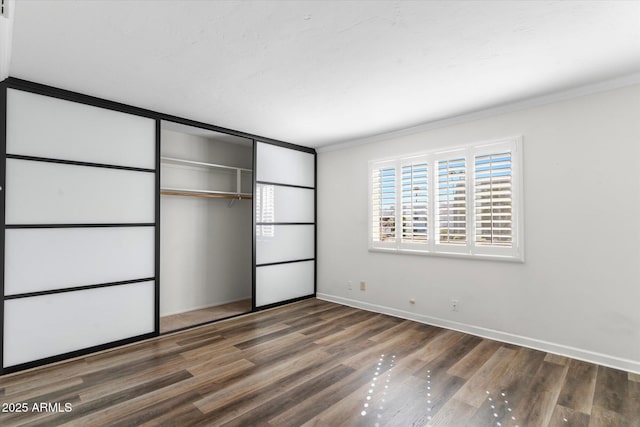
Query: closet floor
{"x": 195, "y": 317}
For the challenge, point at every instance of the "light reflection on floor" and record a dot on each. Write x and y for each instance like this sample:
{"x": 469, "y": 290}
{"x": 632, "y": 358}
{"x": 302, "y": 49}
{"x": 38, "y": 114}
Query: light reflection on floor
{"x": 429, "y": 401}
{"x": 377, "y": 393}
{"x": 501, "y": 410}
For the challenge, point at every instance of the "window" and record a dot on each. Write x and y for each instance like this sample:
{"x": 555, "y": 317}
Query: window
{"x": 492, "y": 200}
{"x": 451, "y": 211}
{"x": 415, "y": 202}
{"x": 463, "y": 201}
{"x": 384, "y": 204}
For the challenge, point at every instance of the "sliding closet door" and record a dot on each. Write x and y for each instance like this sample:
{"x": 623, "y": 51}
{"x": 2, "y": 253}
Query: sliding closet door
{"x": 285, "y": 224}
{"x": 80, "y": 224}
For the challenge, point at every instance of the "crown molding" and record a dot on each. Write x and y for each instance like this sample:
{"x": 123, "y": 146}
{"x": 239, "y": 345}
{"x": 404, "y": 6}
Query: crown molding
{"x": 593, "y": 88}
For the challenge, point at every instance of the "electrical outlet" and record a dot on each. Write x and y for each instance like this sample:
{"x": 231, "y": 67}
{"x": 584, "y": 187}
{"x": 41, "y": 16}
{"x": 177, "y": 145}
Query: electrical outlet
{"x": 454, "y": 304}
{"x": 363, "y": 285}
{"x": 349, "y": 285}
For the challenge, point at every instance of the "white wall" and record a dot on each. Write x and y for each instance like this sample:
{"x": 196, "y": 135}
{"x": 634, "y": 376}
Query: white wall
{"x": 577, "y": 292}
{"x": 205, "y": 257}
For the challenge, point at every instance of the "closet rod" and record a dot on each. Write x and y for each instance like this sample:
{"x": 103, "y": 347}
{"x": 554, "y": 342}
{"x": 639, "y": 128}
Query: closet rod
{"x": 211, "y": 196}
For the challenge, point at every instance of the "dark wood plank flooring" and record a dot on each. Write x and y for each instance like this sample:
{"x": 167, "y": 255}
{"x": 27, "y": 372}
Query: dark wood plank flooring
{"x": 316, "y": 363}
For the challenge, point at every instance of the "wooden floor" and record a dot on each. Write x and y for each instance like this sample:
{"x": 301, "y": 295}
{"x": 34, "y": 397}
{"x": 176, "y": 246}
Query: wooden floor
{"x": 321, "y": 364}
{"x": 195, "y": 317}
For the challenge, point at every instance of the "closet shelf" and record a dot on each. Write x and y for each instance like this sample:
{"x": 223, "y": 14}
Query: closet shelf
{"x": 205, "y": 193}
{"x": 173, "y": 160}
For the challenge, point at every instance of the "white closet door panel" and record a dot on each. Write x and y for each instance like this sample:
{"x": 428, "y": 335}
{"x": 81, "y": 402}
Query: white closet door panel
{"x": 43, "y": 126}
{"x": 54, "y": 193}
{"x": 48, "y": 325}
{"x": 284, "y": 204}
{"x": 275, "y": 243}
{"x": 55, "y": 258}
{"x": 284, "y": 165}
{"x": 282, "y": 282}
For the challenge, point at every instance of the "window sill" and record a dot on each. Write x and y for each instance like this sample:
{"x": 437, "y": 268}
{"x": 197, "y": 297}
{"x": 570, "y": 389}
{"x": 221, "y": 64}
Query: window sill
{"x": 480, "y": 257}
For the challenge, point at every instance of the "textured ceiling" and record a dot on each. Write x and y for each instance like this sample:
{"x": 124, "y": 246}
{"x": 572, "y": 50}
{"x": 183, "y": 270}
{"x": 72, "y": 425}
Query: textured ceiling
{"x": 322, "y": 72}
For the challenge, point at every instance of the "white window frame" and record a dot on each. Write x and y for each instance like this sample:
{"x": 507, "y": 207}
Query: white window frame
{"x": 469, "y": 249}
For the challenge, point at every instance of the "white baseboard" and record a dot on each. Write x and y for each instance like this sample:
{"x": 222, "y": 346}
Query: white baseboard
{"x": 549, "y": 347}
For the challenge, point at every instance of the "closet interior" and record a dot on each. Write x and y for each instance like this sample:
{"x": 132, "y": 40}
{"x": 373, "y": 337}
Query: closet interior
{"x": 206, "y": 186}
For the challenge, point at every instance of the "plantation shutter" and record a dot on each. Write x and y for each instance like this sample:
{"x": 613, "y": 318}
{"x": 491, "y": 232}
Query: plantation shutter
{"x": 493, "y": 200}
{"x": 383, "y": 192}
{"x": 465, "y": 201}
{"x": 451, "y": 209}
{"x": 415, "y": 200}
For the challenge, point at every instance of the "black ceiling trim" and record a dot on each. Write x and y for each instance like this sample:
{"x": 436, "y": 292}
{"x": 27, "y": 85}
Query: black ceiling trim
{"x": 41, "y": 89}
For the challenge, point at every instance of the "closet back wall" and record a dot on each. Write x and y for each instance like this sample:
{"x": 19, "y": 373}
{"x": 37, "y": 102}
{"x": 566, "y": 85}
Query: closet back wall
{"x": 205, "y": 256}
